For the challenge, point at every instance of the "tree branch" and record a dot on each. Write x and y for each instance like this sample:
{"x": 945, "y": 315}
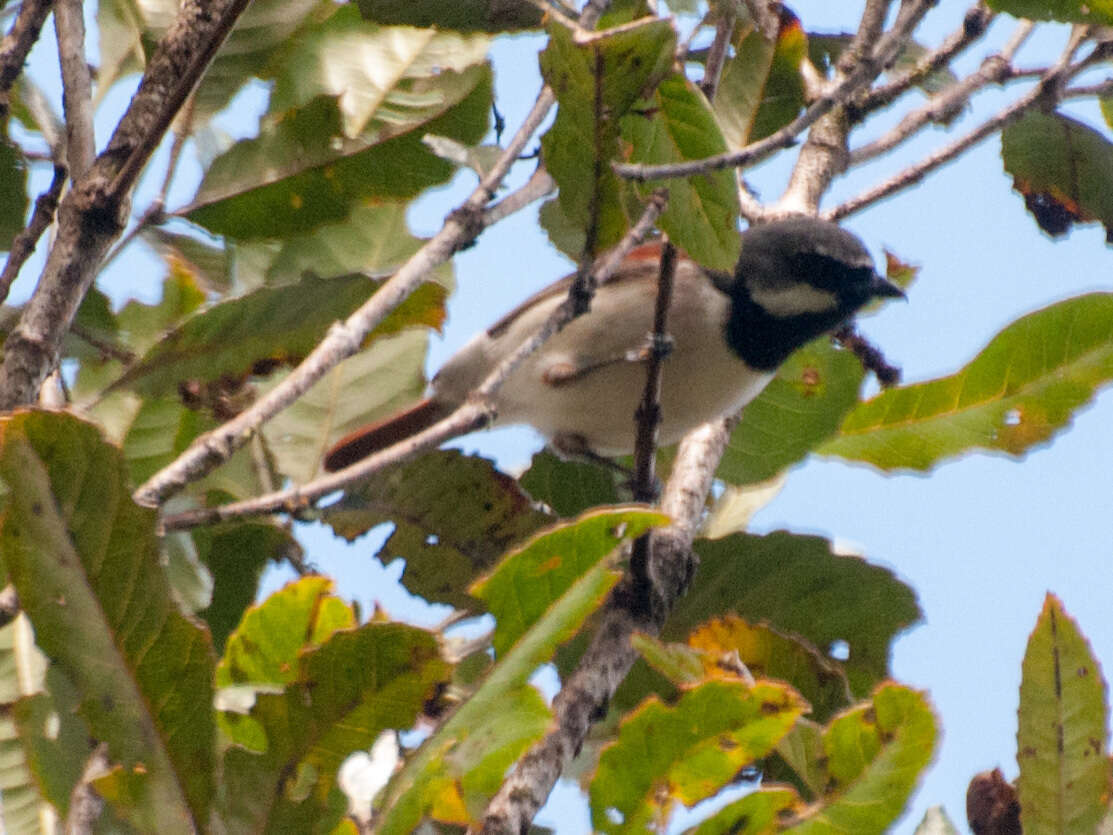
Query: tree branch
{"x": 41, "y": 218}
{"x": 475, "y": 414}
{"x": 1049, "y": 87}
{"x": 824, "y": 155}
{"x": 586, "y": 694}
{"x": 17, "y": 44}
{"x": 91, "y": 216}
{"x": 974, "y": 25}
{"x": 77, "y": 89}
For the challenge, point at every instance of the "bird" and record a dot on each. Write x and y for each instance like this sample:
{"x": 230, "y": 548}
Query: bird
{"x": 795, "y": 279}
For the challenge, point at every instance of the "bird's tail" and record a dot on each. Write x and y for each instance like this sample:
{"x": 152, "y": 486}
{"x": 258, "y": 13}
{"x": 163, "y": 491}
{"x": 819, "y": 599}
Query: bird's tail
{"x": 373, "y": 437}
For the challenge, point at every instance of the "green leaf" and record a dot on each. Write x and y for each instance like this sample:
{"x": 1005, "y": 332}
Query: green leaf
{"x": 770, "y": 653}
{"x": 797, "y": 585}
{"x": 271, "y": 326}
{"x": 265, "y": 647}
{"x": 339, "y": 697}
{"x": 463, "y": 15}
{"x": 531, "y": 578}
{"x": 687, "y": 752}
{"x": 1063, "y": 168}
{"x": 236, "y": 555}
{"x": 875, "y": 754}
{"x": 757, "y": 813}
{"x": 1065, "y": 11}
{"x": 1024, "y": 386}
{"x": 209, "y": 265}
{"x": 1062, "y": 740}
{"x": 374, "y": 239}
{"x": 803, "y": 406}
{"x": 141, "y": 324}
{"x": 701, "y": 217}
{"x": 1106, "y": 103}
{"x": 374, "y": 72}
{"x": 13, "y": 187}
{"x": 679, "y": 663}
{"x": 69, "y": 534}
{"x": 761, "y": 89}
{"x": 569, "y": 487}
{"x": 414, "y": 792}
{"x": 302, "y": 171}
{"x": 623, "y": 65}
{"x": 160, "y": 431}
{"x": 454, "y": 516}
{"x": 371, "y": 385}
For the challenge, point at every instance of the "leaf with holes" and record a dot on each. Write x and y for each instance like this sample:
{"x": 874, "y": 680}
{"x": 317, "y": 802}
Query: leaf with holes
{"x": 68, "y": 535}
{"x": 770, "y": 653}
{"x": 454, "y": 516}
{"x": 798, "y": 585}
{"x": 1023, "y": 387}
{"x": 1062, "y": 740}
{"x": 688, "y": 751}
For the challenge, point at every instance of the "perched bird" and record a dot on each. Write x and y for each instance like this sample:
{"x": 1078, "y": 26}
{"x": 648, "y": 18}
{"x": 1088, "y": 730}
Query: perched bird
{"x": 795, "y": 279}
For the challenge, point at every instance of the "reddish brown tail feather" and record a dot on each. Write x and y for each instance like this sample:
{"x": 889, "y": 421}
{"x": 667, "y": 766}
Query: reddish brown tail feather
{"x": 375, "y": 436}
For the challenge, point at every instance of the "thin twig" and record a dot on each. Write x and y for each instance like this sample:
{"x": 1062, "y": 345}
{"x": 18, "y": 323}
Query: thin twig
{"x": 1050, "y": 85}
{"x": 717, "y": 53}
{"x": 24, "y": 243}
{"x": 106, "y": 347}
{"x": 77, "y": 88}
{"x": 974, "y": 26}
{"x": 460, "y": 228}
{"x": 648, "y": 415}
{"x": 476, "y": 413}
{"x": 17, "y": 44}
{"x": 537, "y": 186}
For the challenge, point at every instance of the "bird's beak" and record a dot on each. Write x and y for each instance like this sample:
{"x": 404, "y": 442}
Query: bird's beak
{"x": 882, "y": 287}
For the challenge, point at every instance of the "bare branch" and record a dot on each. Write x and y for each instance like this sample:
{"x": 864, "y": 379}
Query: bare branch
{"x": 18, "y": 42}
{"x": 1049, "y": 87}
{"x": 974, "y": 25}
{"x": 941, "y": 107}
{"x": 77, "y": 89}
{"x": 460, "y": 228}
{"x": 91, "y": 215}
{"x": 717, "y": 53}
{"x": 586, "y": 694}
{"x": 475, "y": 414}
{"x": 648, "y": 415}
{"x": 824, "y": 155}
{"x": 41, "y": 218}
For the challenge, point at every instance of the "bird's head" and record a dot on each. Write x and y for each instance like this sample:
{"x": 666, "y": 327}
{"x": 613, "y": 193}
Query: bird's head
{"x": 796, "y": 279}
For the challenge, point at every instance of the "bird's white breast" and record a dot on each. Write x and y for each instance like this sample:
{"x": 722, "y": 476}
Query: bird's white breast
{"x": 702, "y": 378}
